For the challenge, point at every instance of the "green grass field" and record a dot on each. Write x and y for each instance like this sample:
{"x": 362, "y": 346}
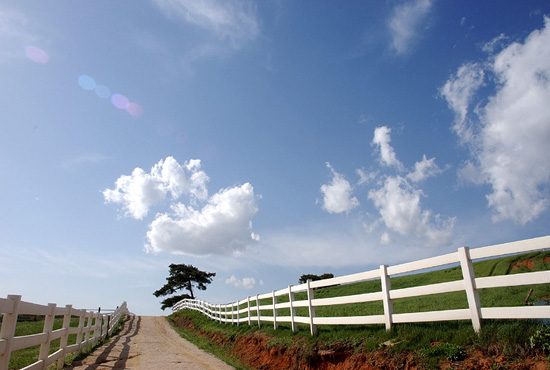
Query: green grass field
{"x": 495, "y": 297}
{"x": 508, "y": 337}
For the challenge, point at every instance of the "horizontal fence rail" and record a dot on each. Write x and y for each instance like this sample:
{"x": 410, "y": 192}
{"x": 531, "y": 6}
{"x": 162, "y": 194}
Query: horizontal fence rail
{"x": 92, "y": 328}
{"x": 251, "y": 310}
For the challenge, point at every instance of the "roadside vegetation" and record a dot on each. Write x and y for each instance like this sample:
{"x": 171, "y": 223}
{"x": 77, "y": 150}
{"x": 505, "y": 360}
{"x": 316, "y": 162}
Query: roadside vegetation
{"x": 426, "y": 344}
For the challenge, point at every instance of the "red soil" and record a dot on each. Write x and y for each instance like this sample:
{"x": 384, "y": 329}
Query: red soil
{"x": 255, "y": 351}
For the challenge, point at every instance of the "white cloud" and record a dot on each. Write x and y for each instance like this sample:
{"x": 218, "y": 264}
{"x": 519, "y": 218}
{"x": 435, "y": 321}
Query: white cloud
{"x": 404, "y": 23}
{"x": 348, "y": 245}
{"x": 397, "y": 199}
{"x": 495, "y": 43}
{"x": 83, "y": 160}
{"x": 223, "y": 226}
{"x": 245, "y": 283}
{"x": 139, "y": 191}
{"x": 337, "y": 196}
{"x": 14, "y": 33}
{"x": 459, "y": 91}
{"x": 365, "y": 177}
{"x": 509, "y": 143}
{"x": 233, "y": 22}
{"x": 385, "y": 238}
{"x": 382, "y": 140}
{"x": 424, "y": 169}
{"x": 398, "y": 203}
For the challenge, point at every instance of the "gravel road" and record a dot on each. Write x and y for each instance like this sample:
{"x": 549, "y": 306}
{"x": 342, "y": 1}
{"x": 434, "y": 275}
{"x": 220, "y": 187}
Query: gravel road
{"x": 149, "y": 342}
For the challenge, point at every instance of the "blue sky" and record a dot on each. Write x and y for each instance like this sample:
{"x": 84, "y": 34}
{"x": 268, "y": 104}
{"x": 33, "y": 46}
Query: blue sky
{"x": 263, "y": 140}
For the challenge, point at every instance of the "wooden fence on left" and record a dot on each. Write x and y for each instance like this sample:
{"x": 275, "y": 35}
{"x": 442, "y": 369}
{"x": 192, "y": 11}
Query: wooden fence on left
{"x": 92, "y": 327}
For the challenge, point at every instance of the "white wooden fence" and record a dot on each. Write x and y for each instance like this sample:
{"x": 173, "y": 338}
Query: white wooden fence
{"x": 92, "y": 328}
{"x": 244, "y": 312}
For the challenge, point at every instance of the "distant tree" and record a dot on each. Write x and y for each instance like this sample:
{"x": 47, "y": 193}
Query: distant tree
{"x": 304, "y": 278}
{"x": 312, "y": 277}
{"x": 183, "y": 277}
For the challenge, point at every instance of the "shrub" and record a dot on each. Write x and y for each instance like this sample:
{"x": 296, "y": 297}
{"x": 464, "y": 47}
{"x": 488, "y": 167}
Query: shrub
{"x": 450, "y": 351}
{"x": 541, "y": 339}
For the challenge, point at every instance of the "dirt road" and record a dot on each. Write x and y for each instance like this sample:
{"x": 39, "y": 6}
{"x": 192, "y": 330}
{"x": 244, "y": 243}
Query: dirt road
{"x": 148, "y": 342}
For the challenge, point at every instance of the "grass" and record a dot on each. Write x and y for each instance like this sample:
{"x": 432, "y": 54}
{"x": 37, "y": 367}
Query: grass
{"x": 503, "y": 337}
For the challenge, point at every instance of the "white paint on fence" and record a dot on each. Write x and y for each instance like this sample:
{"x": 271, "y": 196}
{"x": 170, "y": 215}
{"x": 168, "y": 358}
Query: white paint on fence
{"x": 469, "y": 284}
{"x": 101, "y": 325}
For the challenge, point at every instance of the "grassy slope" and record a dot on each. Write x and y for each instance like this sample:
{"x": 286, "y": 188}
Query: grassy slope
{"x": 509, "y": 337}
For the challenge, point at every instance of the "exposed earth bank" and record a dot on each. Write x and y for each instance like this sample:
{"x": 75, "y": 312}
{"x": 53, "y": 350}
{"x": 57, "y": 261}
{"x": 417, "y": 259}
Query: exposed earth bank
{"x": 255, "y": 351}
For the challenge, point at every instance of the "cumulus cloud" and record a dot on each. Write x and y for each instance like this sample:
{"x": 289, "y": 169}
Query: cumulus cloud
{"x": 223, "y": 226}
{"x": 337, "y": 195}
{"x": 509, "y": 142}
{"x": 382, "y": 140}
{"x": 232, "y": 22}
{"x": 424, "y": 169}
{"x": 137, "y": 192}
{"x": 245, "y": 283}
{"x": 219, "y": 224}
{"x": 399, "y": 205}
{"x": 397, "y": 199}
{"x": 404, "y": 23}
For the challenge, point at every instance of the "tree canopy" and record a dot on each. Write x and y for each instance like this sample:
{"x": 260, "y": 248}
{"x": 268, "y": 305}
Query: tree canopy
{"x": 304, "y": 278}
{"x": 183, "y": 277}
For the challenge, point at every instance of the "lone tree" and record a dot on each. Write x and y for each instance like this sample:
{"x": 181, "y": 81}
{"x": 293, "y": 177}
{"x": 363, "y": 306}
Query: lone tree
{"x": 183, "y": 277}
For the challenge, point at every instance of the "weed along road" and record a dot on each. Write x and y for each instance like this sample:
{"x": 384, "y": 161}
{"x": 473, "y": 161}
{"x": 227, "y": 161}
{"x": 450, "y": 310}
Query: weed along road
{"x": 148, "y": 342}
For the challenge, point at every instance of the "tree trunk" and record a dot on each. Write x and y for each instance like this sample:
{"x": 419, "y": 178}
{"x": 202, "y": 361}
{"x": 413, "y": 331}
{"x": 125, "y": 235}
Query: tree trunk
{"x": 190, "y": 288}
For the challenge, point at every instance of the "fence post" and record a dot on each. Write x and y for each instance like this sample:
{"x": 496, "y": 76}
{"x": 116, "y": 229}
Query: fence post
{"x": 48, "y": 327}
{"x": 98, "y": 326}
{"x": 225, "y": 314}
{"x": 388, "y": 304}
{"x": 258, "y": 310}
{"x": 274, "y": 311}
{"x": 94, "y": 323}
{"x": 292, "y": 309}
{"x": 470, "y": 286}
{"x": 7, "y": 332}
{"x": 109, "y": 324}
{"x": 312, "y": 326}
{"x": 88, "y": 330}
{"x": 81, "y": 319}
{"x": 65, "y": 337}
{"x": 248, "y": 301}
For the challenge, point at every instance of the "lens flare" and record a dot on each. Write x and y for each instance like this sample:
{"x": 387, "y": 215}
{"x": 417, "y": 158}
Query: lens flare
{"x": 86, "y": 82}
{"x": 102, "y": 91}
{"x": 120, "y": 101}
{"x": 135, "y": 109}
{"x": 36, "y": 54}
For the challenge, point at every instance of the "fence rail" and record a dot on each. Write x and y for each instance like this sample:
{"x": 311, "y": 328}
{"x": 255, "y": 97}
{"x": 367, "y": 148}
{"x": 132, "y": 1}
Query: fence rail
{"x": 92, "y": 328}
{"x": 250, "y": 309}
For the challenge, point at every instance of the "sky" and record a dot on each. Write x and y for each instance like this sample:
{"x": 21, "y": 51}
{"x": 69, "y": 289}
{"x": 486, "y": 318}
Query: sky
{"x": 263, "y": 140}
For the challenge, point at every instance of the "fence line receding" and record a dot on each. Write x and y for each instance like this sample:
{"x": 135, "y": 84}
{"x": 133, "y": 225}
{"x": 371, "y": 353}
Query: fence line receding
{"x": 92, "y": 328}
{"x": 250, "y": 309}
